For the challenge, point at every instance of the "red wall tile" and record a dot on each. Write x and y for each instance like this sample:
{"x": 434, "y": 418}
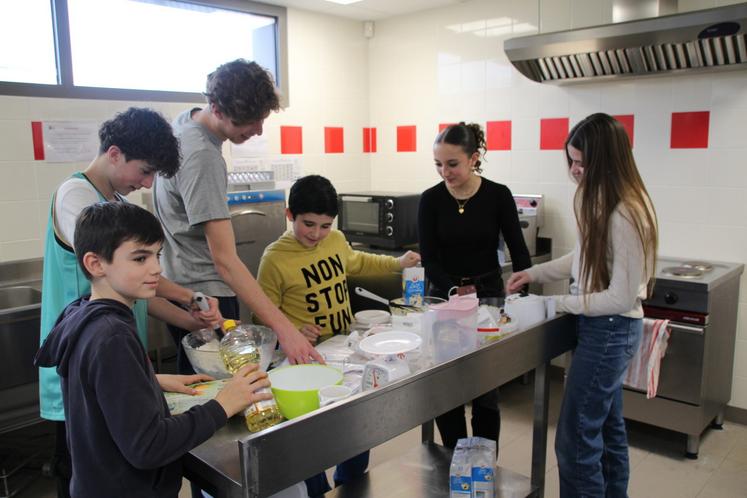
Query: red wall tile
{"x": 441, "y": 126}
{"x": 690, "y": 130}
{"x": 498, "y": 135}
{"x": 333, "y": 140}
{"x": 369, "y": 139}
{"x": 406, "y": 139}
{"x": 628, "y": 122}
{"x": 366, "y": 139}
{"x": 38, "y": 140}
{"x": 291, "y": 140}
{"x": 553, "y": 132}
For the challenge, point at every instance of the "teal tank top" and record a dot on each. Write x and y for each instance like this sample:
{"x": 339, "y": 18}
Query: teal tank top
{"x": 62, "y": 283}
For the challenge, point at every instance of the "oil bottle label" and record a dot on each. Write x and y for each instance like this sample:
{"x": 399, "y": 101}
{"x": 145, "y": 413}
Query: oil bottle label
{"x": 265, "y": 404}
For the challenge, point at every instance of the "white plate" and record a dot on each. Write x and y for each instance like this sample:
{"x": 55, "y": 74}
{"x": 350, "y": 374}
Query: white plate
{"x": 392, "y": 342}
{"x": 372, "y": 317}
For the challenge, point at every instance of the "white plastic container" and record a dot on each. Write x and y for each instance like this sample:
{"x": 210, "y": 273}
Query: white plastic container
{"x": 369, "y": 318}
{"x": 529, "y": 310}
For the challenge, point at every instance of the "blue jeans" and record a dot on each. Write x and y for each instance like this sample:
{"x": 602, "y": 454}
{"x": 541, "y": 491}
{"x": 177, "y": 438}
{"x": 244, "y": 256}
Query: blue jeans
{"x": 591, "y": 442}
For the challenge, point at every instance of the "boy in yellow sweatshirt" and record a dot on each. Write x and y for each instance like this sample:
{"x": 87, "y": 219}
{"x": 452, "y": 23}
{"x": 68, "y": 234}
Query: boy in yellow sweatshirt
{"x": 305, "y": 271}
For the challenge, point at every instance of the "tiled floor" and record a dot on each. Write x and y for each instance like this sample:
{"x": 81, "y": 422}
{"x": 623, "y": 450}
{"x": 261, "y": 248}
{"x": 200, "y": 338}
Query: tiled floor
{"x": 658, "y": 466}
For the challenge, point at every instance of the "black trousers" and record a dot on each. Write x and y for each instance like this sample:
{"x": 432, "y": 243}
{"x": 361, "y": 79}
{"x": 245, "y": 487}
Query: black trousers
{"x": 486, "y": 420}
{"x": 62, "y": 466}
{"x": 486, "y": 416}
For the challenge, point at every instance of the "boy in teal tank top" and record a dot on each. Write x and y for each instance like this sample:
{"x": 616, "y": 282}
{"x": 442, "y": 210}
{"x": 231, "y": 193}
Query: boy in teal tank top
{"x": 134, "y": 146}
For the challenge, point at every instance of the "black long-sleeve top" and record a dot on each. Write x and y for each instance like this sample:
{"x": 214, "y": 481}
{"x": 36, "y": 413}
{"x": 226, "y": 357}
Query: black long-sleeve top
{"x": 466, "y": 245}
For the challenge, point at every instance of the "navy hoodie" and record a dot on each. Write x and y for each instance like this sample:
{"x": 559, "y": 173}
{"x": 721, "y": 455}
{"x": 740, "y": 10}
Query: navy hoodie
{"x": 122, "y": 439}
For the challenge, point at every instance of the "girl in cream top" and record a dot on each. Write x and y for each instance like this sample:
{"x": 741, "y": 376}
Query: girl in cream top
{"x": 626, "y": 264}
{"x": 611, "y": 266}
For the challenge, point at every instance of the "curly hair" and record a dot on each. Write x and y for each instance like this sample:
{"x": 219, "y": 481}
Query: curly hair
{"x": 142, "y": 134}
{"x": 242, "y": 90}
{"x": 469, "y": 137}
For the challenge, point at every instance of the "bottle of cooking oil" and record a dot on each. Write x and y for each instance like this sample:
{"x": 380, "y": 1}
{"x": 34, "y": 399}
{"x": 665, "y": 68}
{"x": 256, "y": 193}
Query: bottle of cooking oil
{"x": 241, "y": 345}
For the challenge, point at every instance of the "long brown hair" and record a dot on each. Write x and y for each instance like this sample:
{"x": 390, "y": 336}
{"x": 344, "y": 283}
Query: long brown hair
{"x": 610, "y": 178}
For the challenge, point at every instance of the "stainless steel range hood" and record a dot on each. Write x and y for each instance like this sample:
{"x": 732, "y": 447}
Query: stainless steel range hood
{"x": 704, "y": 40}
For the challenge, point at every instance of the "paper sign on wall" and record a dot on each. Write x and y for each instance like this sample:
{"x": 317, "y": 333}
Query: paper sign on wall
{"x": 70, "y": 141}
{"x": 257, "y": 146}
{"x": 287, "y": 170}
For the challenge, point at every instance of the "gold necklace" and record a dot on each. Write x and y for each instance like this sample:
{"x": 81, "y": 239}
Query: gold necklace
{"x": 461, "y": 204}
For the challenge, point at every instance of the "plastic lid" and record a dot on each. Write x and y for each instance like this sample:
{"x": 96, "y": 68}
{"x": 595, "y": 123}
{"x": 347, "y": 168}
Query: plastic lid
{"x": 229, "y": 324}
{"x": 467, "y": 302}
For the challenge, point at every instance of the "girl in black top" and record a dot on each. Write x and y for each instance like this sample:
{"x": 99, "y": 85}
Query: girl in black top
{"x": 460, "y": 221}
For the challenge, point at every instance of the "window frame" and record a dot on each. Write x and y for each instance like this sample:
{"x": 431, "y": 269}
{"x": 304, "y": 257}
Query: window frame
{"x": 66, "y": 89}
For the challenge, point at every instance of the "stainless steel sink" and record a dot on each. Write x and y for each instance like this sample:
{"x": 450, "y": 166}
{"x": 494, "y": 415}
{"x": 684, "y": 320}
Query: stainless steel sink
{"x": 20, "y": 310}
{"x": 14, "y": 299}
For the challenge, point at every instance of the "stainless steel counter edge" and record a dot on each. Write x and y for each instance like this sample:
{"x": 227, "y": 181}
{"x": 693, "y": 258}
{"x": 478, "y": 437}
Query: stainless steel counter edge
{"x": 233, "y": 464}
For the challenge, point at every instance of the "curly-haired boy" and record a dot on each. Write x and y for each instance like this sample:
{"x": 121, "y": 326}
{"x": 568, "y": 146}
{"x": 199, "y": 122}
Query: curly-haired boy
{"x": 135, "y": 145}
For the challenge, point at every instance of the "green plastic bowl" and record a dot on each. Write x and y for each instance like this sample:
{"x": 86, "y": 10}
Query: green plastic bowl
{"x": 296, "y": 387}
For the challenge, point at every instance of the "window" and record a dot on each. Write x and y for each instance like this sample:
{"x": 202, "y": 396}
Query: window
{"x": 135, "y": 49}
{"x": 27, "y": 24}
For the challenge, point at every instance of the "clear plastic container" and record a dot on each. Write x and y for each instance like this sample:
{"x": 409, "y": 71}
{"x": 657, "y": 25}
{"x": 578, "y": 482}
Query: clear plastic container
{"x": 242, "y": 345}
{"x": 492, "y": 324}
{"x": 452, "y": 327}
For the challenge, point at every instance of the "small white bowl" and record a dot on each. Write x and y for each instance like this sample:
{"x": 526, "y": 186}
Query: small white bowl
{"x": 372, "y": 317}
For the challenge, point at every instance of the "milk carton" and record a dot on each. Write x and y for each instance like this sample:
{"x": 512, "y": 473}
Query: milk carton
{"x": 482, "y": 460}
{"x": 472, "y": 471}
{"x": 413, "y": 285}
{"x": 460, "y": 472}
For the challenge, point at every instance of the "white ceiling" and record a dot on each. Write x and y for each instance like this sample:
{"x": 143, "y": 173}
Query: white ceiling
{"x": 366, "y": 10}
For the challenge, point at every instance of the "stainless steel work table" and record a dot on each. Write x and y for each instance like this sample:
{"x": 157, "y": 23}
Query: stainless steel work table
{"x": 235, "y": 463}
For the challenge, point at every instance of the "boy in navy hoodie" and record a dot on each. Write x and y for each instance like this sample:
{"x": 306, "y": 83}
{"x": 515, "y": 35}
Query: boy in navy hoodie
{"x": 122, "y": 439}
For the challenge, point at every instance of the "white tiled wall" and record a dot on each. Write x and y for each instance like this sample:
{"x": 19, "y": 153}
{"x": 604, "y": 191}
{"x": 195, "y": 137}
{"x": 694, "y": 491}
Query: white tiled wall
{"x": 442, "y": 74}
